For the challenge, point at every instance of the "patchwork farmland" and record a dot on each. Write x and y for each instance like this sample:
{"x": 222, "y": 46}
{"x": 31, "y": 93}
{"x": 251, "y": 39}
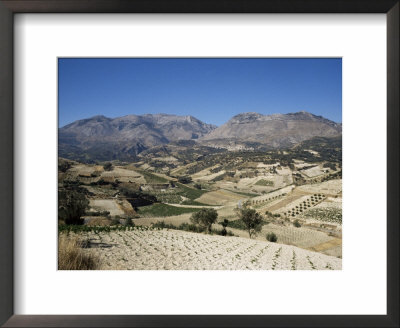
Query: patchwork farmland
{"x": 299, "y": 203}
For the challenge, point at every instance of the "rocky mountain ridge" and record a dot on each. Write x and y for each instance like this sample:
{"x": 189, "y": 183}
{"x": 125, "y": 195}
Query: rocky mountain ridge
{"x": 276, "y": 131}
{"x": 102, "y": 138}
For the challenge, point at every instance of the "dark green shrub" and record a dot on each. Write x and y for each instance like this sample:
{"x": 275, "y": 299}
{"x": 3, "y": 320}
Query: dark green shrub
{"x": 185, "y": 179}
{"x": 297, "y": 224}
{"x": 197, "y": 186}
{"x": 224, "y": 225}
{"x": 108, "y": 167}
{"x": 272, "y": 237}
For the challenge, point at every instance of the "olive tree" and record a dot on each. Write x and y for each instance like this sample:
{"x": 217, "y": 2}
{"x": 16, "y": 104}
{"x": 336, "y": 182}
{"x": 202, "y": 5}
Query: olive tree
{"x": 71, "y": 206}
{"x": 252, "y": 220}
{"x": 205, "y": 218}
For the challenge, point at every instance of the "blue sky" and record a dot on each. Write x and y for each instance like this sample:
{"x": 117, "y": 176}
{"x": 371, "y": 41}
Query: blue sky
{"x": 212, "y": 90}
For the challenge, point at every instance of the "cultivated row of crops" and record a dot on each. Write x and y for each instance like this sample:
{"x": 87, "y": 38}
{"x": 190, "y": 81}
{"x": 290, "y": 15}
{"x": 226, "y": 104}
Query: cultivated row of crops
{"x": 179, "y": 250}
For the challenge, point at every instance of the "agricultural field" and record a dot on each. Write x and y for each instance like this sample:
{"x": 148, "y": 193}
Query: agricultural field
{"x": 220, "y": 197}
{"x": 300, "y": 203}
{"x": 178, "y": 250}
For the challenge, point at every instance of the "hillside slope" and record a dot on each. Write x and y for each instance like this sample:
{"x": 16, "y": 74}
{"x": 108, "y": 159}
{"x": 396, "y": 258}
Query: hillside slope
{"x": 179, "y": 250}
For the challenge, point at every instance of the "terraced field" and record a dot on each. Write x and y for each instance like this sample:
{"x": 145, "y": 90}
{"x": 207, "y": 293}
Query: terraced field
{"x": 219, "y": 197}
{"x": 301, "y": 237}
{"x": 178, "y": 250}
{"x": 109, "y": 205}
{"x": 331, "y": 187}
{"x": 124, "y": 175}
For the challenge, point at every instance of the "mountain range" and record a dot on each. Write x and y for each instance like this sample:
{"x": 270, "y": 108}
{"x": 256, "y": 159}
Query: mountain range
{"x": 102, "y": 138}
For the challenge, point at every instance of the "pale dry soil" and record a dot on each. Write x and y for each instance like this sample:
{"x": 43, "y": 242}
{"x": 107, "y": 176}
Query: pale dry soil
{"x": 178, "y": 250}
{"x": 110, "y": 205}
{"x": 219, "y": 197}
{"x": 313, "y": 172}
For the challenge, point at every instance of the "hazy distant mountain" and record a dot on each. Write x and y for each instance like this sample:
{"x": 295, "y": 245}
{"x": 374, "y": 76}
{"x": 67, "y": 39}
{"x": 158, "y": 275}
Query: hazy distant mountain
{"x": 124, "y": 137}
{"x": 102, "y": 138}
{"x": 277, "y": 130}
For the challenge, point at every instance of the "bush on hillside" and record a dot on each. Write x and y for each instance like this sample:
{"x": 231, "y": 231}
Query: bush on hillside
{"x": 272, "y": 237}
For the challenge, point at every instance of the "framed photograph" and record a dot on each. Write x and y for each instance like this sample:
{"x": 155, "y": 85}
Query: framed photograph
{"x": 163, "y": 162}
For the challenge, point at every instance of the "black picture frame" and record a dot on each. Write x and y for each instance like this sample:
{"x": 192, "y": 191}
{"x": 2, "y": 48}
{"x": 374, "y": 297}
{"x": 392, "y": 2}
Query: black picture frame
{"x": 10, "y": 7}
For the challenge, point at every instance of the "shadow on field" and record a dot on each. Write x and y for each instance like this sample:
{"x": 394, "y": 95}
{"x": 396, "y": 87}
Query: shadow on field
{"x": 90, "y": 243}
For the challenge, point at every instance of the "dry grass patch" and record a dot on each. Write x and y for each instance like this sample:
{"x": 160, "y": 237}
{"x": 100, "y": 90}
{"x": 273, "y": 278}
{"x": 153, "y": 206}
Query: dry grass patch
{"x": 72, "y": 257}
{"x": 327, "y": 245}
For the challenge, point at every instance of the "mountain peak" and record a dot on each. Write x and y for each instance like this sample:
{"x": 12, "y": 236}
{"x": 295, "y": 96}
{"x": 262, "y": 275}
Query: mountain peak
{"x": 126, "y": 136}
{"x": 303, "y": 112}
{"x": 276, "y": 130}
